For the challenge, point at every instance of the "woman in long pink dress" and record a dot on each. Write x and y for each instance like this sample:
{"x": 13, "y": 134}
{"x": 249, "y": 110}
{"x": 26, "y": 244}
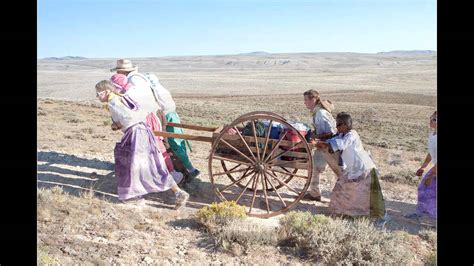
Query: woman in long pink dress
{"x": 139, "y": 166}
{"x": 145, "y": 100}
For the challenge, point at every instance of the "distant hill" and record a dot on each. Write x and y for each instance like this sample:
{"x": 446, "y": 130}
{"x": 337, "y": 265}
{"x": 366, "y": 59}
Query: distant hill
{"x": 256, "y": 53}
{"x": 409, "y": 52}
{"x": 64, "y": 58}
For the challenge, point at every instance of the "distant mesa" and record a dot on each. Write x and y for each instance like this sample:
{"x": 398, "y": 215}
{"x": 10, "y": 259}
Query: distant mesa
{"x": 256, "y": 53}
{"x": 408, "y": 52}
{"x": 64, "y": 58}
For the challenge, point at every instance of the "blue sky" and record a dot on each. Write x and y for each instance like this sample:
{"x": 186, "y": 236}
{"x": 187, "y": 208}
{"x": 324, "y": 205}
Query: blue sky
{"x": 152, "y": 28}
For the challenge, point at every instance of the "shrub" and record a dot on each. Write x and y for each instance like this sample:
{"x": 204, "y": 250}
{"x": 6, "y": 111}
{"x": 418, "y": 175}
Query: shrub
{"x": 402, "y": 177}
{"x": 245, "y": 234}
{"x": 296, "y": 223}
{"x": 431, "y": 258}
{"x": 88, "y": 130}
{"x": 74, "y": 120}
{"x": 333, "y": 241}
{"x": 220, "y": 213}
{"x": 225, "y": 223}
{"x": 57, "y": 190}
{"x": 429, "y": 235}
{"x": 43, "y": 257}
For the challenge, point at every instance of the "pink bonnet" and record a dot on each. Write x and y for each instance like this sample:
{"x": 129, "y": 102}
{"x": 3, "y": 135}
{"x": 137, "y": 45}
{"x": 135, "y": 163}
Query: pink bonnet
{"x": 121, "y": 82}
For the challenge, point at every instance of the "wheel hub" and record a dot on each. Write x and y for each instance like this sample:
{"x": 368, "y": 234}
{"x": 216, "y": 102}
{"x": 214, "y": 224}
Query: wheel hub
{"x": 260, "y": 167}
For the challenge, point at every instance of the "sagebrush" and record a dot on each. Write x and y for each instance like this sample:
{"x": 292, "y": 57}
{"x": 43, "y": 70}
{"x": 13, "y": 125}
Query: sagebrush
{"x": 332, "y": 241}
{"x": 218, "y": 214}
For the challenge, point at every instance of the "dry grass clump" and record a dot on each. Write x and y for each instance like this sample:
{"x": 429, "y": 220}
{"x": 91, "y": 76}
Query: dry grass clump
{"x": 404, "y": 176}
{"x": 333, "y": 241}
{"x": 43, "y": 258}
{"x": 41, "y": 113}
{"x": 431, "y": 237}
{"x": 88, "y": 130}
{"x": 431, "y": 258}
{"x": 88, "y": 223}
{"x": 226, "y": 223}
{"x": 218, "y": 214}
{"x": 74, "y": 120}
{"x": 238, "y": 234}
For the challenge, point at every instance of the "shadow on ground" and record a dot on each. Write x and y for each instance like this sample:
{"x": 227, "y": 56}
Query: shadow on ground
{"x": 80, "y": 175}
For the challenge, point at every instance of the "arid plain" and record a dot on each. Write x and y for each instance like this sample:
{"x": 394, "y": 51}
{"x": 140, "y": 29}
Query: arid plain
{"x": 390, "y": 95}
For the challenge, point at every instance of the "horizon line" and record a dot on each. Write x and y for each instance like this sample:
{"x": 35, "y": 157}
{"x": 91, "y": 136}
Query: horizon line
{"x": 246, "y": 53}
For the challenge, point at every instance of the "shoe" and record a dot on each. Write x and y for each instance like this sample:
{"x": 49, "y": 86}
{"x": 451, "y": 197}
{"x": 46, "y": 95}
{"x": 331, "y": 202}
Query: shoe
{"x": 308, "y": 196}
{"x": 181, "y": 199}
{"x": 177, "y": 176}
{"x": 194, "y": 174}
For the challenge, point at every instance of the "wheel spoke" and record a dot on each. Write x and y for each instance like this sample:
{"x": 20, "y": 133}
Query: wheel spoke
{"x": 238, "y": 180}
{"x": 236, "y": 167}
{"x": 232, "y": 171}
{"x": 276, "y": 146}
{"x": 266, "y": 138}
{"x": 286, "y": 170}
{"x": 280, "y": 163}
{"x": 231, "y": 160}
{"x": 255, "y": 136}
{"x": 254, "y": 192}
{"x": 274, "y": 189}
{"x": 245, "y": 142}
{"x": 283, "y": 153}
{"x": 245, "y": 188}
{"x": 264, "y": 188}
{"x": 283, "y": 183}
{"x": 288, "y": 173}
{"x": 237, "y": 150}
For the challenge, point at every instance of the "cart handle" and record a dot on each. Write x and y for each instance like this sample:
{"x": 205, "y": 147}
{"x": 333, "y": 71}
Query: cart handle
{"x": 182, "y": 136}
{"x": 210, "y": 129}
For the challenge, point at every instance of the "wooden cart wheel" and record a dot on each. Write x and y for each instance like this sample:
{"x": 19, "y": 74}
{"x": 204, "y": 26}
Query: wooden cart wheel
{"x": 257, "y": 171}
{"x": 230, "y": 175}
{"x": 234, "y": 178}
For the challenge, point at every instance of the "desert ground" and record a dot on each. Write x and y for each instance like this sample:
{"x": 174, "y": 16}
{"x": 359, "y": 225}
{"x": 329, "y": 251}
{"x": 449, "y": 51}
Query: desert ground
{"x": 80, "y": 220}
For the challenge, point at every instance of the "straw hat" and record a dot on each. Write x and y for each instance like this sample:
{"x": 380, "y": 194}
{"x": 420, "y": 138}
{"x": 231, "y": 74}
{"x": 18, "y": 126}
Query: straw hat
{"x": 124, "y": 65}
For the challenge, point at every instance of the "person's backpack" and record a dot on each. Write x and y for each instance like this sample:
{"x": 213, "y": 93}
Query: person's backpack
{"x": 162, "y": 96}
{"x": 152, "y": 81}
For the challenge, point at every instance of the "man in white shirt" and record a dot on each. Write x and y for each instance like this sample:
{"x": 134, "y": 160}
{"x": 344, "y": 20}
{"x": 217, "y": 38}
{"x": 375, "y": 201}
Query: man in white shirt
{"x": 325, "y": 127}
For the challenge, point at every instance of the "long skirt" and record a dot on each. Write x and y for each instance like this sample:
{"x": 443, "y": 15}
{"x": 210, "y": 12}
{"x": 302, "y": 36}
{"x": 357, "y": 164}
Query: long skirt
{"x": 155, "y": 125}
{"x": 362, "y": 197}
{"x": 139, "y": 166}
{"x": 178, "y": 146}
{"x": 427, "y": 197}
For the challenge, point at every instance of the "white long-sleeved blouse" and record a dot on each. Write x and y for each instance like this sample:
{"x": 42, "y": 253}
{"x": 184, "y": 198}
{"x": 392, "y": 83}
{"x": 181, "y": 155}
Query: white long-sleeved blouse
{"x": 356, "y": 161}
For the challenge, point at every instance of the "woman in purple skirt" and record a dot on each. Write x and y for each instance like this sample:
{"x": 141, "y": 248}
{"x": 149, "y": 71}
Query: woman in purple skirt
{"x": 427, "y": 188}
{"x": 139, "y": 166}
